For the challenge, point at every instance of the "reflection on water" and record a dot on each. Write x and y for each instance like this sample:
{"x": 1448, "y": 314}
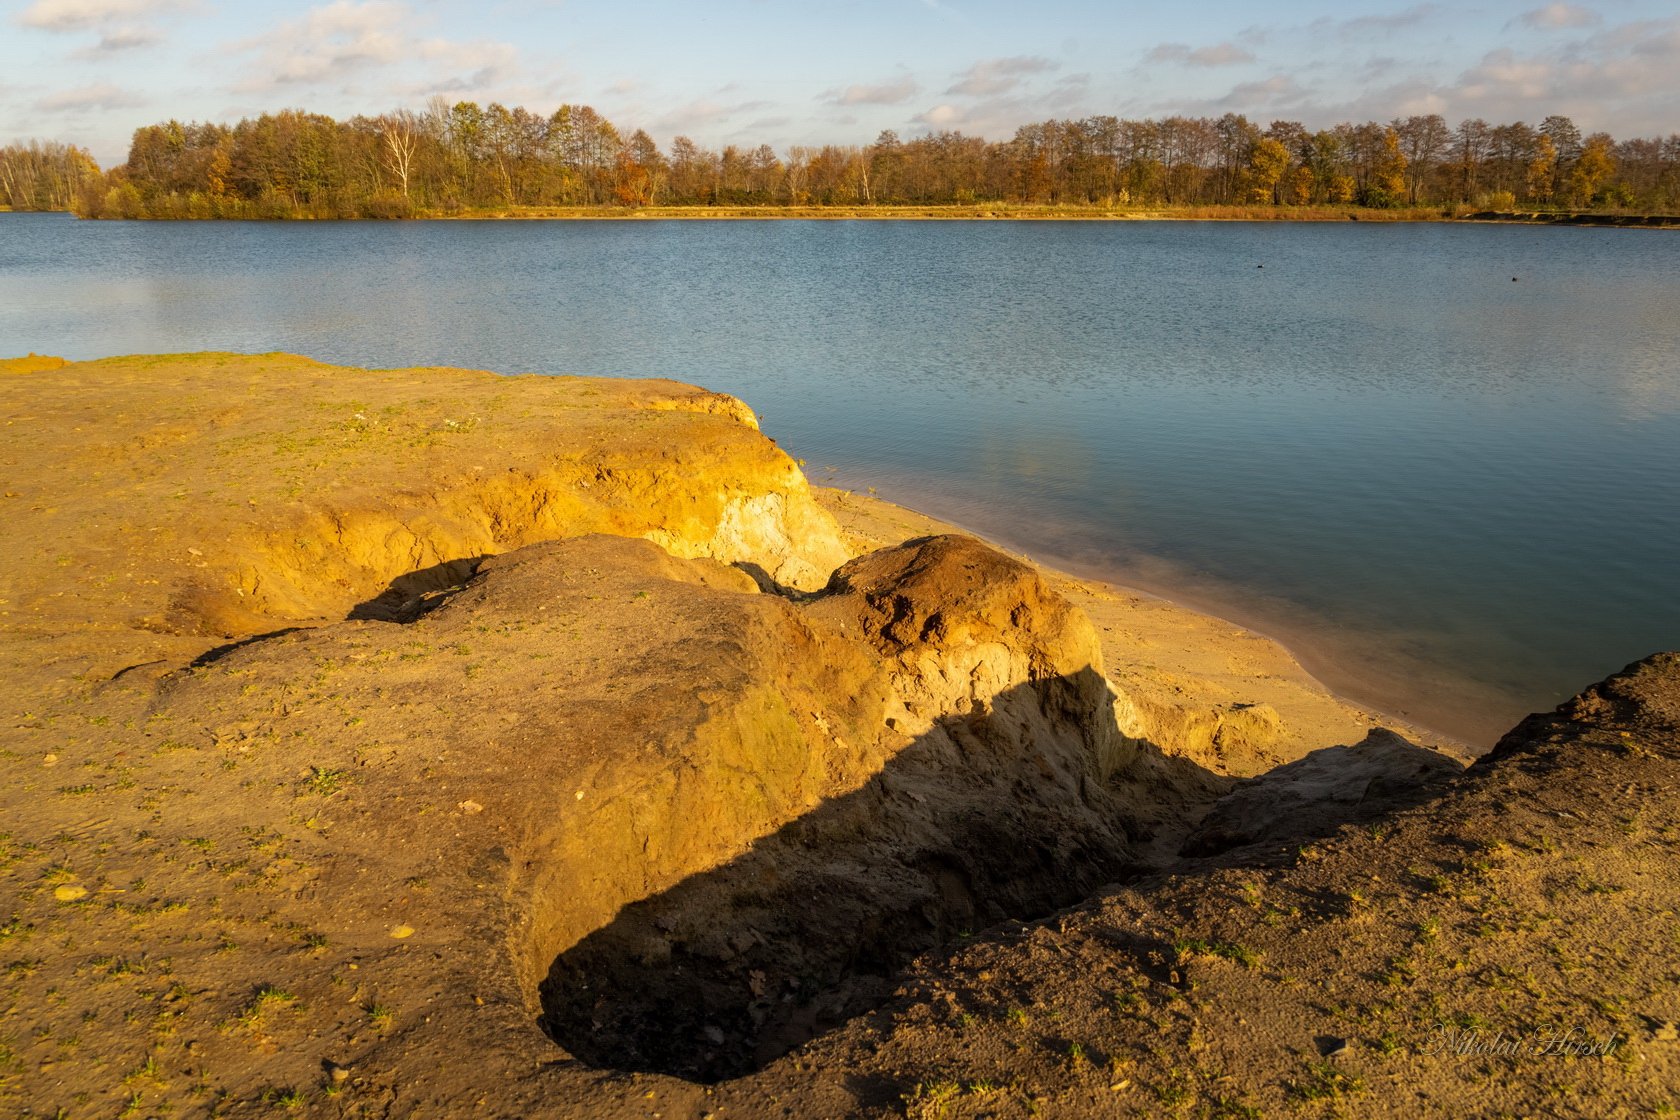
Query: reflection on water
{"x": 1379, "y": 445}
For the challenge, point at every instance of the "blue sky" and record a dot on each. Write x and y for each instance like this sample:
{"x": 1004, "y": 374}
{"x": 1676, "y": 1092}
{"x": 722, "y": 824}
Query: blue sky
{"x": 789, "y": 72}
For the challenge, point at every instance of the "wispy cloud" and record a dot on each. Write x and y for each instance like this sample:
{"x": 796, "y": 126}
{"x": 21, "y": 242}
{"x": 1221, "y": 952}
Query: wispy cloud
{"x": 894, "y": 92}
{"x": 1619, "y": 79}
{"x": 332, "y": 41}
{"x": 704, "y": 112}
{"x": 1000, "y": 116}
{"x": 334, "y": 45}
{"x": 118, "y": 40}
{"x": 83, "y": 15}
{"x": 1221, "y": 54}
{"x": 470, "y": 66}
{"x": 1279, "y": 93}
{"x": 1558, "y": 16}
{"x": 100, "y": 96}
{"x": 1376, "y": 24}
{"x": 994, "y": 76}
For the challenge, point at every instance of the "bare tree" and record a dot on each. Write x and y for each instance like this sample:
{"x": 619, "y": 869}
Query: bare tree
{"x": 401, "y": 133}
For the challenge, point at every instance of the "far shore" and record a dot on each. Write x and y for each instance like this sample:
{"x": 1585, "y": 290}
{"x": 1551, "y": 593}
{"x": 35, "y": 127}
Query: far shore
{"x": 1000, "y": 211}
{"x": 1003, "y": 212}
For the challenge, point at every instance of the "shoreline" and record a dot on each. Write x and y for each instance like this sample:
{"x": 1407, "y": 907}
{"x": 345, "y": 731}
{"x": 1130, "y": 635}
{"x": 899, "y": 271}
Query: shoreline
{"x": 1379, "y": 692}
{"x": 985, "y": 213}
{"x": 1154, "y": 634}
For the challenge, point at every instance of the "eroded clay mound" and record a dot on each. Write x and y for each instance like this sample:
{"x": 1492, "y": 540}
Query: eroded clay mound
{"x": 729, "y": 817}
{"x": 227, "y": 495}
{"x": 996, "y": 737}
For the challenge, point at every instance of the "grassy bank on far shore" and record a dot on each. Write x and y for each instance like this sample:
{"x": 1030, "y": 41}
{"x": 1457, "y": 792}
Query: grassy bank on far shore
{"x": 997, "y": 211}
{"x": 969, "y": 212}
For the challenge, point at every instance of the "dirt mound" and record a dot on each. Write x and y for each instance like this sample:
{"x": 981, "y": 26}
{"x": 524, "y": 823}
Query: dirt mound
{"x": 993, "y": 721}
{"x": 813, "y": 790}
{"x": 1488, "y": 949}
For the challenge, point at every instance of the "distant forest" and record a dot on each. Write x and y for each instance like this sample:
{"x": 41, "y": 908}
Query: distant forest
{"x": 463, "y": 158}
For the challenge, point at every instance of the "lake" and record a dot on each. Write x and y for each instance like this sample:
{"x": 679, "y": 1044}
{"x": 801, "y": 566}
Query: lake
{"x": 1442, "y": 463}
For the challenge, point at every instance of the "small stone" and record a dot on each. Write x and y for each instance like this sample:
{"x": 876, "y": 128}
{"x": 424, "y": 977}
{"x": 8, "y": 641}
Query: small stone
{"x": 70, "y": 892}
{"x": 50, "y": 760}
{"x": 580, "y": 795}
{"x": 470, "y": 807}
{"x": 400, "y": 932}
{"x": 340, "y": 1074}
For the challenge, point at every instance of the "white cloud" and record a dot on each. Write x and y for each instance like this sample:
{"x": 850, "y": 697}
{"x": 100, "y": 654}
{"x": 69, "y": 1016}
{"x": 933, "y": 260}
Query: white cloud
{"x": 1621, "y": 78}
{"x": 1000, "y": 75}
{"x": 332, "y": 41}
{"x": 941, "y": 116}
{"x": 996, "y": 119}
{"x": 886, "y": 93}
{"x": 100, "y": 96}
{"x": 336, "y": 44}
{"x": 81, "y": 15}
{"x": 1221, "y": 54}
{"x": 1555, "y": 16}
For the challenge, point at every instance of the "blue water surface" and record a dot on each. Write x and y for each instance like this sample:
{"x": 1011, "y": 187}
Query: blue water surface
{"x": 1441, "y": 461}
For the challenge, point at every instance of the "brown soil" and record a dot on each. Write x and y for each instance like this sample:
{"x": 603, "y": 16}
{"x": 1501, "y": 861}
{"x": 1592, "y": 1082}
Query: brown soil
{"x": 429, "y": 743}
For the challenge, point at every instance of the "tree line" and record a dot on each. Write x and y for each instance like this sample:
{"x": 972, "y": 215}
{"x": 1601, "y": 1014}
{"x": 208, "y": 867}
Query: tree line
{"x": 461, "y": 158}
{"x": 43, "y": 175}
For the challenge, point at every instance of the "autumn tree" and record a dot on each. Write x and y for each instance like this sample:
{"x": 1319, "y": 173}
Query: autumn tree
{"x": 1422, "y": 140}
{"x": 1592, "y": 169}
{"x": 1541, "y": 172}
{"x": 45, "y": 175}
{"x": 1470, "y": 152}
{"x": 1267, "y": 161}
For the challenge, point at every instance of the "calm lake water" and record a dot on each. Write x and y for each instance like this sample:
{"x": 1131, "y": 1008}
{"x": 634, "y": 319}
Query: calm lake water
{"x": 1455, "y": 494}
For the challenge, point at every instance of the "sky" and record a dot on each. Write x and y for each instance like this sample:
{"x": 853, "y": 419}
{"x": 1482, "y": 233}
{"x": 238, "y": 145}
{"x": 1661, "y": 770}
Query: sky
{"x": 786, "y": 72}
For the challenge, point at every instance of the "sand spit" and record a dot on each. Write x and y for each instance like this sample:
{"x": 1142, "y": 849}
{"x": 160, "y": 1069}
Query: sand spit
{"x": 434, "y": 743}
